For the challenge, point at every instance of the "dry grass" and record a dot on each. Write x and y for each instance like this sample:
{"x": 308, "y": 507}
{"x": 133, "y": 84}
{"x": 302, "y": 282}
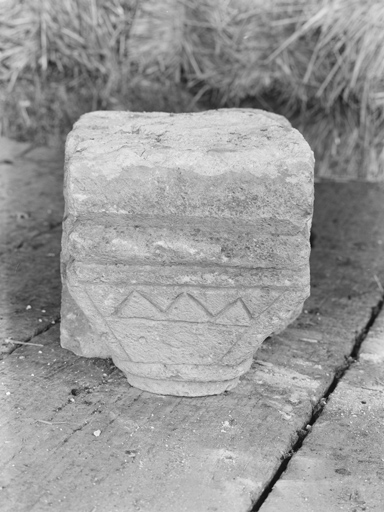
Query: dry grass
{"x": 58, "y": 60}
{"x": 73, "y": 36}
{"x": 61, "y": 59}
{"x": 319, "y": 62}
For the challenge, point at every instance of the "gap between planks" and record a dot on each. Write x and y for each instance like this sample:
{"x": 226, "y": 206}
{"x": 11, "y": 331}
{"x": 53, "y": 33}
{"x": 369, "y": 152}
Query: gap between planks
{"x": 28, "y": 340}
{"x": 320, "y": 405}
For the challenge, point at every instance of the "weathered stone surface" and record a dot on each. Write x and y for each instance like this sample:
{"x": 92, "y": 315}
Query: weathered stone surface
{"x": 185, "y": 244}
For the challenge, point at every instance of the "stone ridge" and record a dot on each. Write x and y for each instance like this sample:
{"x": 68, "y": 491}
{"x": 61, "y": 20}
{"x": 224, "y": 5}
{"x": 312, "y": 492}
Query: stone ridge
{"x": 204, "y": 276}
{"x": 181, "y": 244}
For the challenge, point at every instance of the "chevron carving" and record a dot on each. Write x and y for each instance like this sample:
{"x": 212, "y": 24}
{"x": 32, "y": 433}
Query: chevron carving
{"x": 184, "y": 308}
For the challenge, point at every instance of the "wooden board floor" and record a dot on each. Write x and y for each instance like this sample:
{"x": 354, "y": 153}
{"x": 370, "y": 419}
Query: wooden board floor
{"x": 341, "y": 464}
{"x": 76, "y": 437}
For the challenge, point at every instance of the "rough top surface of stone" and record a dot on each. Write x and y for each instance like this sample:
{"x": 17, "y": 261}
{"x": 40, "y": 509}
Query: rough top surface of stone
{"x": 174, "y": 161}
{"x": 211, "y": 142}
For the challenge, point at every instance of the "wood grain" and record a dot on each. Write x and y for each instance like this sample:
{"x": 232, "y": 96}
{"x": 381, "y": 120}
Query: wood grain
{"x": 77, "y": 437}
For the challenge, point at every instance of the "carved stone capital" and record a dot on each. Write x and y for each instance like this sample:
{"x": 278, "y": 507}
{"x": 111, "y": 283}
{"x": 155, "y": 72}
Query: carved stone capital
{"x": 185, "y": 243}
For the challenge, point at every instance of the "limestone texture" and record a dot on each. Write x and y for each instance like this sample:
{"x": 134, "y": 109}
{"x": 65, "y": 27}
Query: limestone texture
{"x": 185, "y": 242}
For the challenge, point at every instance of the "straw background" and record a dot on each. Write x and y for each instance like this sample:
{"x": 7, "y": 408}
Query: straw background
{"x": 318, "y": 62}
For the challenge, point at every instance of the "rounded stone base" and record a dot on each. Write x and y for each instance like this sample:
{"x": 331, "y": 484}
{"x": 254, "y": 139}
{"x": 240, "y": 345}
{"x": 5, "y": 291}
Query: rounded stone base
{"x": 179, "y": 387}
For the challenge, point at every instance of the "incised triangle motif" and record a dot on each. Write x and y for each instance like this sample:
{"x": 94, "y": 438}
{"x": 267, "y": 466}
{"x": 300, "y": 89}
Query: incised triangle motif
{"x": 184, "y": 308}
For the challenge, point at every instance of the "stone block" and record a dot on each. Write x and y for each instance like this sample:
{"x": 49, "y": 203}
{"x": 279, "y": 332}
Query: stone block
{"x": 185, "y": 243}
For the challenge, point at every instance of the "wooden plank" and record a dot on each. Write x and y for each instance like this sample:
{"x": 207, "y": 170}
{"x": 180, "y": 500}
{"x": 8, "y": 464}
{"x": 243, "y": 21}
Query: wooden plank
{"x": 341, "y": 463}
{"x": 180, "y": 454}
{"x": 31, "y": 209}
{"x": 171, "y": 453}
{"x": 347, "y": 272}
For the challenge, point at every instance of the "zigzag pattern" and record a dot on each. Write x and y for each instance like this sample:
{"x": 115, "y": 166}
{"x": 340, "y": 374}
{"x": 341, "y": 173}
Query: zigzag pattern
{"x": 184, "y": 308}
